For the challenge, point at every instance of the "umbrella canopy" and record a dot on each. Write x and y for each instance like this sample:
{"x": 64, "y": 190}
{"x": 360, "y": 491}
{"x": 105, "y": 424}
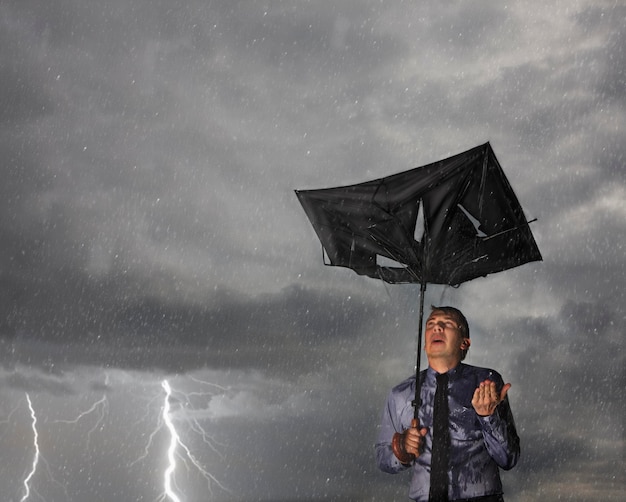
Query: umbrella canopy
{"x": 471, "y": 222}
{"x": 444, "y": 223}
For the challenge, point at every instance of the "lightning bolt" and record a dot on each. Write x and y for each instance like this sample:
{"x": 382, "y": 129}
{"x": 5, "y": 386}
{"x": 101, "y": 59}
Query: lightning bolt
{"x": 33, "y": 470}
{"x": 38, "y": 457}
{"x": 174, "y": 441}
{"x": 176, "y": 444}
{"x": 181, "y": 425}
{"x": 100, "y": 407}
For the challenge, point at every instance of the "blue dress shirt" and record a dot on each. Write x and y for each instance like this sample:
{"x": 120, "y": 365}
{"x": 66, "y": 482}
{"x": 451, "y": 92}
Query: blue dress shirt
{"x": 479, "y": 446}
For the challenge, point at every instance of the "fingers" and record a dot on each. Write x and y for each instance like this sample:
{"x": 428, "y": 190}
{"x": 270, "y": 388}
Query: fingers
{"x": 486, "y": 397}
{"x": 488, "y": 391}
{"x": 413, "y": 440}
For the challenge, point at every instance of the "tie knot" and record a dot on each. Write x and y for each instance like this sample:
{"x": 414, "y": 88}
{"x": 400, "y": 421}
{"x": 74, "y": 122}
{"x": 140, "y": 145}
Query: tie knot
{"x": 442, "y": 379}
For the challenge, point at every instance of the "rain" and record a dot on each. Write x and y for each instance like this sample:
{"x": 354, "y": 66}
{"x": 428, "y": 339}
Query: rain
{"x": 168, "y": 329}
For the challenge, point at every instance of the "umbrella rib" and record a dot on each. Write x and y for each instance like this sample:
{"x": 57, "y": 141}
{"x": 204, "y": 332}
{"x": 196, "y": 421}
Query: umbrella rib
{"x": 502, "y": 232}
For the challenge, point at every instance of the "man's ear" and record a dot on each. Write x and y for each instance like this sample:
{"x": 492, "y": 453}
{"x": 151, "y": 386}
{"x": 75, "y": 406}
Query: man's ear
{"x": 465, "y": 344}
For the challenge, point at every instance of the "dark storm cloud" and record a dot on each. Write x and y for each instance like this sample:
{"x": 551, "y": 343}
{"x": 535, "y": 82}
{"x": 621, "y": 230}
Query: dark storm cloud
{"x": 285, "y": 332}
{"x": 150, "y": 151}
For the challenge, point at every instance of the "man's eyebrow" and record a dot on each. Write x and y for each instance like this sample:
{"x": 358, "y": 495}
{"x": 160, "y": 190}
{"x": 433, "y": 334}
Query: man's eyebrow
{"x": 445, "y": 317}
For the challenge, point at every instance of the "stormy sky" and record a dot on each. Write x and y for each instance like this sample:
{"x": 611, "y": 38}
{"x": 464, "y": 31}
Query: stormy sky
{"x": 150, "y": 234}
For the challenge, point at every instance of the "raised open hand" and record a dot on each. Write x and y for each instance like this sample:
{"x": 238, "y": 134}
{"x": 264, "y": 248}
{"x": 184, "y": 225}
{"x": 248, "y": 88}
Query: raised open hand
{"x": 486, "y": 397}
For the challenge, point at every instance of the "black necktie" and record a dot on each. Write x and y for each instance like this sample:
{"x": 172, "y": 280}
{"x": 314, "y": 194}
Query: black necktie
{"x": 441, "y": 443}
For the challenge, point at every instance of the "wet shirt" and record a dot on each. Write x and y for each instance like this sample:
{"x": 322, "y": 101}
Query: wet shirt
{"x": 479, "y": 446}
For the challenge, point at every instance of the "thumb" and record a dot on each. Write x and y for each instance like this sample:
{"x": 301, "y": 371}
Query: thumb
{"x": 504, "y": 390}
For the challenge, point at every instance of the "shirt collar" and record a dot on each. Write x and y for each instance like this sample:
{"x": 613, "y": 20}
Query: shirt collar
{"x": 453, "y": 374}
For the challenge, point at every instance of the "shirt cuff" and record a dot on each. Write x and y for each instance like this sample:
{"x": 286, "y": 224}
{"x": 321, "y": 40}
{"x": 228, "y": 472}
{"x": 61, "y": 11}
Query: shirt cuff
{"x": 490, "y": 421}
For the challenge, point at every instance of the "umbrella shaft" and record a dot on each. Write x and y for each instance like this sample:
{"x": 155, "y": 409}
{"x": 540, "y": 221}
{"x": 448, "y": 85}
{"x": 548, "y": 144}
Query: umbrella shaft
{"x": 417, "y": 401}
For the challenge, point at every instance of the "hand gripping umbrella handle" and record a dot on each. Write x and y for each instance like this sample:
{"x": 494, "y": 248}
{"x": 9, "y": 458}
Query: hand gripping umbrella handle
{"x": 398, "y": 446}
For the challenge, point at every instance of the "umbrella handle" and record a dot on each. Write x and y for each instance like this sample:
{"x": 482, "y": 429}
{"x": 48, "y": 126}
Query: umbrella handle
{"x": 398, "y": 447}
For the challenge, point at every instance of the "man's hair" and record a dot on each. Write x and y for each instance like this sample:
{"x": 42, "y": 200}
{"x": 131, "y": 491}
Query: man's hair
{"x": 459, "y": 318}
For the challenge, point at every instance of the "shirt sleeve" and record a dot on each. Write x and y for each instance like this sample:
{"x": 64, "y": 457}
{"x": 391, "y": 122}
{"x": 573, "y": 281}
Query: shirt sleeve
{"x": 390, "y": 424}
{"x": 500, "y": 435}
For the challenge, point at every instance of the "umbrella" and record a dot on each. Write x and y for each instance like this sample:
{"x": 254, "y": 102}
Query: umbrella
{"x": 447, "y": 222}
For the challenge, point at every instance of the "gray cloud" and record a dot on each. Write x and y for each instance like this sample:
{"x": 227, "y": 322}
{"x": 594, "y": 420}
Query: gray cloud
{"x": 150, "y": 230}
{"x": 285, "y": 332}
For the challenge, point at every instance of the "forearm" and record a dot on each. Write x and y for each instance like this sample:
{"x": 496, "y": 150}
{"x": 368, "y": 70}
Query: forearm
{"x": 396, "y": 418}
{"x": 500, "y": 436}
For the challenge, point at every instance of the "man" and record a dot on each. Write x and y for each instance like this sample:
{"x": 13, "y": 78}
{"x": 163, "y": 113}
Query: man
{"x": 475, "y": 425}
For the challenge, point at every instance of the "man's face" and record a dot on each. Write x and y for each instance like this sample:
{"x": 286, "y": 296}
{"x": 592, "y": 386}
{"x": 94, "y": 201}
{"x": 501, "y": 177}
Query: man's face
{"x": 443, "y": 338}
